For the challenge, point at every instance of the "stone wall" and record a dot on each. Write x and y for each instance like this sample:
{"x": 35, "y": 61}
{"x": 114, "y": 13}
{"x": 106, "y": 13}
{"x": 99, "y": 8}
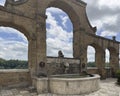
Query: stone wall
{"x": 66, "y": 86}
{"x": 14, "y": 78}
{"x": 92, "y": 70}
{"x": 56, "y": 65}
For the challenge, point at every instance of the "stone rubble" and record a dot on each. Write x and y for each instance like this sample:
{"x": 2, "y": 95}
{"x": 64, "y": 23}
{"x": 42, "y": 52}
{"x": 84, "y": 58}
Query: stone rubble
{"x": 108, "y": 88}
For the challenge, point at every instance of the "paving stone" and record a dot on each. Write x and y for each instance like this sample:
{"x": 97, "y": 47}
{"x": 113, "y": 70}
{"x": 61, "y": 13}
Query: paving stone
{"x": 18, "y": 95}
{"x": 24, "y": 92}
{"x": 15, "y": 91}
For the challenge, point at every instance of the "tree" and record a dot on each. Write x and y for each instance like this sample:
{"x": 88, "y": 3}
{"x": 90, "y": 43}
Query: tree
{"x": 13, "y": 64}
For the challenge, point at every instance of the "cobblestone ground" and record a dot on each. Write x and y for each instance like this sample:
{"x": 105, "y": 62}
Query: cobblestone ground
{"x": 108, "y": 88}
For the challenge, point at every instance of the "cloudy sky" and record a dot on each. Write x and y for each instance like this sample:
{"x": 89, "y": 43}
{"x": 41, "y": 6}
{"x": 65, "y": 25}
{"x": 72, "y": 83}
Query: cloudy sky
{"x": 104, "y": 15}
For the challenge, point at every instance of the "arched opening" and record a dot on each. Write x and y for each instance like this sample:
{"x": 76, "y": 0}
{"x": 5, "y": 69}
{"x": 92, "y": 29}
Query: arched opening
{"x": 59, "y": 32}
{"x": 13, "y": 49}
{"x": 114, "y": 60}
{"x": 107, "y": 58}
{"x": 91, "y": 56}
{"x": 107, "y": 63}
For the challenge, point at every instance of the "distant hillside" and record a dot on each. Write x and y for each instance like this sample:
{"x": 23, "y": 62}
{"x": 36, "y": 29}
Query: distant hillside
{"x": 13, "y": 64}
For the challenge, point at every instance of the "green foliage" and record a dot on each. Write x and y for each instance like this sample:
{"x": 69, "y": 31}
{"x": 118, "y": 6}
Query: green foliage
{"x": 118, "y": 76}
{"x": 91, "y": 64}
{"x": 13, "y": 64}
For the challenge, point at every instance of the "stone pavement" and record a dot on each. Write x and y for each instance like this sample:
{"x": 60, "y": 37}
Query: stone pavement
{"x": 108, "y": 88}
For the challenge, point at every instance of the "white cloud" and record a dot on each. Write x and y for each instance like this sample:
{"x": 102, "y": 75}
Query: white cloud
{"x": 13, "y": 50}
{"x": 105, "y": 14}
{"x": 54, "y": 10}
{"x": 10, "y": 30}
{"x": 64, "y": 20}
{"x": 10, "y": 47}
{"x": 58, "y": 38}
{"x": 107, "y": 56}
{"x": 108, "y": 33}
{"x": 2, "y": 2}
{"x": 90, "y": 54}
{"x": 110, "y": 3}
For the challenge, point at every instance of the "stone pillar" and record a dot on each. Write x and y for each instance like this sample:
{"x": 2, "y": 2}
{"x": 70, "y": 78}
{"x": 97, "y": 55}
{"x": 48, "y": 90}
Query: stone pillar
{"x": 78, "y": 41}
{"x": 83, "y": 58}
{"x": 100, "y": 62}
{"x": 114, "y": 62}
{"x": 41, "y": 47}
{"x": 32, "y": 57}
{"x": 79, "y": 47}
{"x": 76, "y": 46}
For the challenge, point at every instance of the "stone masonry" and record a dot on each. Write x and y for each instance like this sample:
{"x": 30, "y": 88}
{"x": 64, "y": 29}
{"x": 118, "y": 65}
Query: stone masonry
{"x": 28, "y": 16}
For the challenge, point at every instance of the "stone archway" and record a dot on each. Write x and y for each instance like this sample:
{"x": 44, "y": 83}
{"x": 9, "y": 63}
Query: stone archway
{"x": 100, "y": 60}
{"x": 29, "y": 17}
{"x": 17, "y": 27}
{"x": 14, "y": 45}
{"x": 66, "y": 7}
{"x": 113, "y": 60}
{"x": 59, "y": 30}
{"x": 22, "y": 30}
{"x": 72, "y": 13}
{"x": 91, "y": 56}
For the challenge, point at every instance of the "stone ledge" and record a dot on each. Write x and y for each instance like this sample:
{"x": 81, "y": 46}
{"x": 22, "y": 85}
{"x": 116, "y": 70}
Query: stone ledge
{"x": 67, "y": 86}
{"x": 92, "y": 68}
{"x": 13, "y": 70}
{"x": 76, "y": 79}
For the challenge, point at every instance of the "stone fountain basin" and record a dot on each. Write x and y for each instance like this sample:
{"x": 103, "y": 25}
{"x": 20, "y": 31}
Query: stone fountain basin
{"x": 67, "y": 86}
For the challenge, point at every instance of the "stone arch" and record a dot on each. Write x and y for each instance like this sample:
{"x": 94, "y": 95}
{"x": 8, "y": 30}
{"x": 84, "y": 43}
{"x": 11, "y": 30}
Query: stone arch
{"x": 91, "y": 56}
{"x": 100, "y": 59}
{"x": 59, "y": 42}
{"x": 68, "y": 9}
{"x": 98, "y": 50}
{"x": 22, "y": 30}
{"x": 107, "y": 57}
{"x": 114, "y": 59}
{"x": 14, "y": 44}
{"x": 112, "y": 49}
{"x": 16, "y": 26}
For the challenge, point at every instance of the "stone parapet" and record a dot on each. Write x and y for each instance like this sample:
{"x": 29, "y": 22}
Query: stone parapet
{"x": 14, "y": 78}
{"x": 67, "y": 86}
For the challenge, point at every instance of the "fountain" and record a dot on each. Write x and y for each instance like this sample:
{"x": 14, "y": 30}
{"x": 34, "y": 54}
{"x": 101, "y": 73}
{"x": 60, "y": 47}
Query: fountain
{"x": 67, "y": 83}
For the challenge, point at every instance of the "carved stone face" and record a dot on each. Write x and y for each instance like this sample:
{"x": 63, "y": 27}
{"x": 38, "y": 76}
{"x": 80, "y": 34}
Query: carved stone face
{"x": 16, "y": 2}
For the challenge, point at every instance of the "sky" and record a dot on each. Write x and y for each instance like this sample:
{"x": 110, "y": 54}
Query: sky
{"x": 104, "y": 15}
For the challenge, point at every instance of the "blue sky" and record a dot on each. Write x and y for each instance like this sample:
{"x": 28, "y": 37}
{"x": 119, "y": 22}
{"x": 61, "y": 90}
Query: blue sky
{"x": 104, "y": 15}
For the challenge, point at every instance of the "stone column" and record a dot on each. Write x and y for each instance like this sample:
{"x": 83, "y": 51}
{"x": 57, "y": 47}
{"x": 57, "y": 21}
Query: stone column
{"x": 41, "y": 47}
{"x": 78, "y": 41}
{"x": 32, "y": 56}
{"x": 114, "y": 62}
{"x": 83, "y": 58}
{"x": 76, "y": 46}
{"x": 79, "y": 48}
{"x": 100, "y": 62}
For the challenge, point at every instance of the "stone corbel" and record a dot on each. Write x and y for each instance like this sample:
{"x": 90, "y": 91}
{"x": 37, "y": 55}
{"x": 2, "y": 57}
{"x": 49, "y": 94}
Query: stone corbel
{"x": 94, "y": 29}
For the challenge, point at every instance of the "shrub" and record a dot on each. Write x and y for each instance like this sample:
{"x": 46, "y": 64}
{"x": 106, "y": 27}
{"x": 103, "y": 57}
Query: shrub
{"x": 118, "y": 76}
